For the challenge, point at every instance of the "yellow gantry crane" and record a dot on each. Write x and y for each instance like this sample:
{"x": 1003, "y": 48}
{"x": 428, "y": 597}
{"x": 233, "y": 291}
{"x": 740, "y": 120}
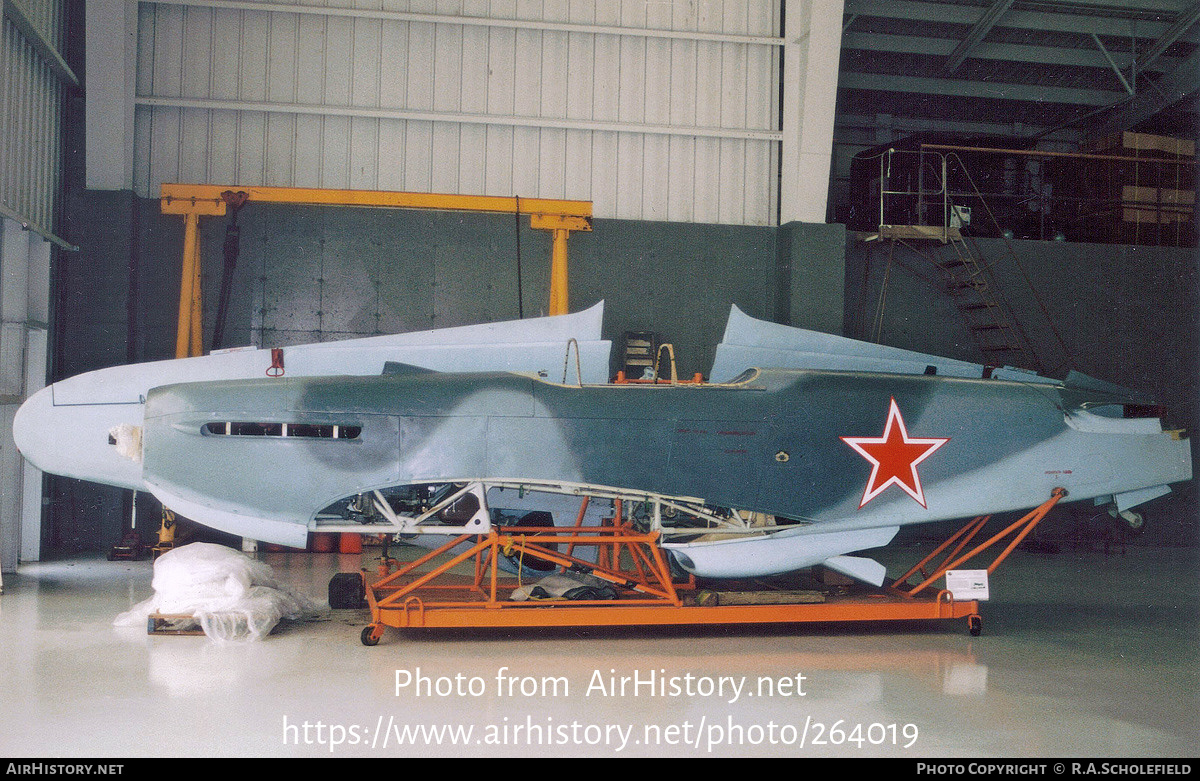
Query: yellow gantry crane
{"x": 194, "y": 201}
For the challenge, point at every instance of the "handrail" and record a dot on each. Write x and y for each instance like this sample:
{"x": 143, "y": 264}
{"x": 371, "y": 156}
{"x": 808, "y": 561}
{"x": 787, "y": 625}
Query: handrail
{"x": 1177, "y": 160}
{"x": 567, "y": 362}
{"x": 670, "y": 348}
{"x": 885, "y": 174}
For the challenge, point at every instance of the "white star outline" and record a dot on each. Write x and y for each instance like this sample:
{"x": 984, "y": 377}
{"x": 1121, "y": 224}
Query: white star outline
{"x": 894, "y": 418}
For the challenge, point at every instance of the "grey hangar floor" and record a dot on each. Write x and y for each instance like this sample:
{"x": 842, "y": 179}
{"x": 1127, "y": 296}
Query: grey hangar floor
{"x": 1083, "y": 654}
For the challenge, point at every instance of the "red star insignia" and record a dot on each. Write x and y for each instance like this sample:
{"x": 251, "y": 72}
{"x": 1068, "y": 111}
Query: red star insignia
{"x": 894, "y": 457}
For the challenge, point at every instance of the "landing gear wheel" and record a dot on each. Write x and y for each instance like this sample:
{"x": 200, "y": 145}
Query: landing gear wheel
{"x": 975, "y": 624}
{"x": 369, "y": 637}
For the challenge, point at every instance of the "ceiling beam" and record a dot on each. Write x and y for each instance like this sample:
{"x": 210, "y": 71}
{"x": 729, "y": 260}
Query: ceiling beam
{"x": 988, "y": 50}
{"x": 868, "y": 128}
{"x": 464, "y": 118}
{"x": 1177, "y": 86}
{"x": 1181, "y": 25}
{"x": 1100, "y": 23}
{"x": 1113, "y": 63}
{"x": 977, "y": 33}
{"x": 279, "y": 6}
{"x": 978, "y": 89}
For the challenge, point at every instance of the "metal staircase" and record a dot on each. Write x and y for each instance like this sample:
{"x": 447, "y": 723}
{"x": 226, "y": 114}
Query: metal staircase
{"x": 971, "y": 288}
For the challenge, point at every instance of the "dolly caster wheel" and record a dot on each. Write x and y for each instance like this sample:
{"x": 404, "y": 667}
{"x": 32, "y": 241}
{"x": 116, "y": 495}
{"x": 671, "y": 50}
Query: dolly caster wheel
{"x": 975, "y": 624}
{"x": 369, "y": 637}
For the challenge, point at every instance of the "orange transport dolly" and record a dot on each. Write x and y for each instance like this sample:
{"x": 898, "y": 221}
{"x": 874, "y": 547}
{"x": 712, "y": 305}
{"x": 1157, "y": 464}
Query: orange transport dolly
{"x": 458, "y": 585}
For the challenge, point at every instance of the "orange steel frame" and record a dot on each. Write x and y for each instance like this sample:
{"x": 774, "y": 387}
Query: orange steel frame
{"x": 1018, "y": 530}
{"x": 425, "y": 593}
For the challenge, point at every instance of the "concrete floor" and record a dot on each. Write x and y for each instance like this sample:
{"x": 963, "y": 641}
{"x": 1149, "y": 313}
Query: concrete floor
{"x": 1082, "y": 655}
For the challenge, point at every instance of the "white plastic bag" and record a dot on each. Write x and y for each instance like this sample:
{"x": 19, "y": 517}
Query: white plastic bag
{"x": 233, "y": 596}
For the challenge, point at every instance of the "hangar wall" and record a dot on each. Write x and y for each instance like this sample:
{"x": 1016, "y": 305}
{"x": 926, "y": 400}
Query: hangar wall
{"x": 1120, "y": 313}
{"x": 34, "y": 81}
{"x": 718, "y": 111}
{"x": 24, "y": 317}
{"x": 656, "y": 111}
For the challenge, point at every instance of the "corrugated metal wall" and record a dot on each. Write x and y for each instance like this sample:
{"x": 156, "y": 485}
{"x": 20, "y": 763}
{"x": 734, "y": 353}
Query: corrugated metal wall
{"x": 33, "y": 76}
{"x": 652, "y": 110}
{"x": 31, "y": 119}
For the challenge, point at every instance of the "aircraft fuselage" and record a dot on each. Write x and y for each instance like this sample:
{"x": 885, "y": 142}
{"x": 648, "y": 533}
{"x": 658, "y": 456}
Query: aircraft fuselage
{"x": 846, "y": 450}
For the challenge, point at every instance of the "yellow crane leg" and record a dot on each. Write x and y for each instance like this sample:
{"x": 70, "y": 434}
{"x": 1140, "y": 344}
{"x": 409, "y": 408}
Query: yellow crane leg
{"x": 560, "y": 228}
{"x": 187, "y": 285}
{"x": 188, "y": 330}
{"x": 197, "y": 319}
{"x": 188, "y": 333}
{"x": 558, "y": 273}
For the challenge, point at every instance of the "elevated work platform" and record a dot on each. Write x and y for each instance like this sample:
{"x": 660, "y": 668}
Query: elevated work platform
{"x": 918, "y": 233}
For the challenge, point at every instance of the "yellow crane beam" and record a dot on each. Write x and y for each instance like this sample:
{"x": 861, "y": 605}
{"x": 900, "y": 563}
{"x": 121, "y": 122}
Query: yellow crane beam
{"x": 193, "y": 201}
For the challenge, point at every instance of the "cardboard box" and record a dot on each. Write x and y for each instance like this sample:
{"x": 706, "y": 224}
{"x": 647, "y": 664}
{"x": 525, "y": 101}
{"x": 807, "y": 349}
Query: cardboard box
{"x": 1153, "y": 204}
{"x": 1129, "y": 144}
